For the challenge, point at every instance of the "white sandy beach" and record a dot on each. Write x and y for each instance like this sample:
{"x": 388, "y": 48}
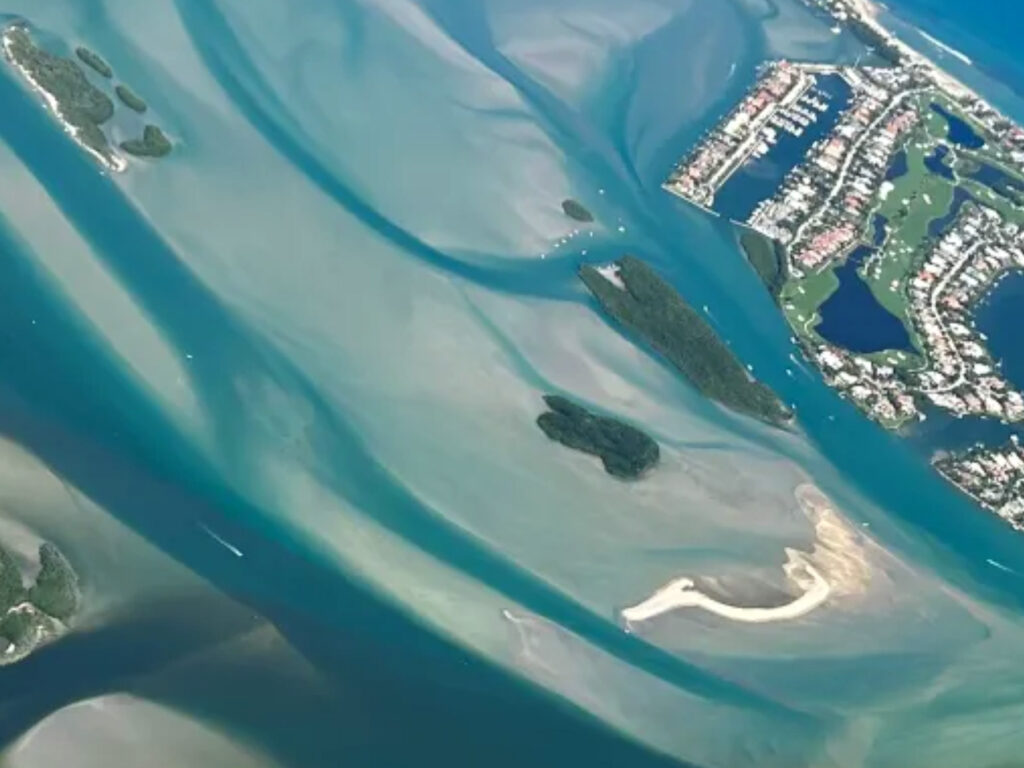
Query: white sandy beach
{"x": 682, "y": 593}
{"x": 869, "y": 12}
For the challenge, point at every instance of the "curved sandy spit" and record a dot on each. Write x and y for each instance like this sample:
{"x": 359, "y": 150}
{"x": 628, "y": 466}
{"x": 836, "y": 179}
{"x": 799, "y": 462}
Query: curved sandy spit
{"x": 681, "y": 593}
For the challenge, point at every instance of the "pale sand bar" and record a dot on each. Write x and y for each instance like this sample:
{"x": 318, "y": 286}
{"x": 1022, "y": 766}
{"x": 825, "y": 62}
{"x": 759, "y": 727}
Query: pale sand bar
{"x": 682, "y": 593}
{"x": 836, "y": 566}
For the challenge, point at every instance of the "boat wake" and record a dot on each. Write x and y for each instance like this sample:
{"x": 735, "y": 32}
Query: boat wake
{"x": 946, "y": 48}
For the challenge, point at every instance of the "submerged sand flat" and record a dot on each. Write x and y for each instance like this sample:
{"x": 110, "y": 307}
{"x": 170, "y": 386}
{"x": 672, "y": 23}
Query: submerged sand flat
{"x": 119, "y": 729}
{"x": 835, "y": 566}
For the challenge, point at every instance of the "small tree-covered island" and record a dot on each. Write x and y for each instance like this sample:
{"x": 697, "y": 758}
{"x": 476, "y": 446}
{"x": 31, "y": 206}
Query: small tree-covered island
{"x": 94, "y": 61}
{"x": 152, "y": 144}
{"x": 639, "y": 299}
{"x": 82, "y": 102}
{"x": 33, "y": 613}
{"x": 625, "y": 451}
{"x": 130, "y": 99}
{"x": 576, "y": 211}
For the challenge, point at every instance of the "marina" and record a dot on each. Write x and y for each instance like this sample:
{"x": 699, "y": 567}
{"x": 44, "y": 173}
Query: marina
{"x": 897, "y": 197}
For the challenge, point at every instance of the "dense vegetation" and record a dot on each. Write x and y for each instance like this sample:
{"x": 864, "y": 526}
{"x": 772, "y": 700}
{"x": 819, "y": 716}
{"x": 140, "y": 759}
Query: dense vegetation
{"x": 11, "y": 590}
{"x": 94, "y": 61}
{"x": 16, "y": 626}
{"x": 768, "y": 260}
{"x": 30, "y": 616}
{"x": 152, "y": 144}
{"x": 624, "y": 450}
{"x": 56, "y": 589}
{"x": 872, "y": 38}
{"x": 575, "y": 210}
{"x": 651, "y": 308}
{"x": 81, "y": 104}
{"x": 130, "y": 99}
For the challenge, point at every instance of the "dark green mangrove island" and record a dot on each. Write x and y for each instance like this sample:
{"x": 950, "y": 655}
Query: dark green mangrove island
{"x": 625, "y": 451}
{"x": 651, "y": 308}
{"x": 576, "y": 211}
{"x": 152, "y": 144}
{"x": 33, "y": 615}
{"x": 130, "y": 99}
{"x": 94, "y": 61}
{"x": 81, "y": 104}
{"x": 768, "y": 258}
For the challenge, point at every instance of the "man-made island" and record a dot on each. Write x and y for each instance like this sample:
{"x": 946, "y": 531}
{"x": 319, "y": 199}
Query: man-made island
{"x": 625, "y": 451}
{"x": 902, "y": 195}
{"x": 894, "y": 196}
{"x": 639, "y": 299}
{"x": 34, "y": 615}
{"x": 83, "y": 106}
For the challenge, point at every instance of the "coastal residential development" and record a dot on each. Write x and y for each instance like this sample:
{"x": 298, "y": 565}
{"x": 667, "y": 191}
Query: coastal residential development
{"x": 995, "y": 478}
{"x": 894, "y": 197}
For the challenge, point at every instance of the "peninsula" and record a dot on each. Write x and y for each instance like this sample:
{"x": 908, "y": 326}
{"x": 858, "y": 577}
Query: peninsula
{"x": 642, "y": 302}
{"x": 34, "y": 615}
{"x": 625, "y": 451}
{"x": 768, "y": 258}
{"x": 893, "y": 196}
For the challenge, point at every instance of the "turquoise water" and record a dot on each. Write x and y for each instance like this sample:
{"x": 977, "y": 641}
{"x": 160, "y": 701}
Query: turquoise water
{"x": 321, "y": 330}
